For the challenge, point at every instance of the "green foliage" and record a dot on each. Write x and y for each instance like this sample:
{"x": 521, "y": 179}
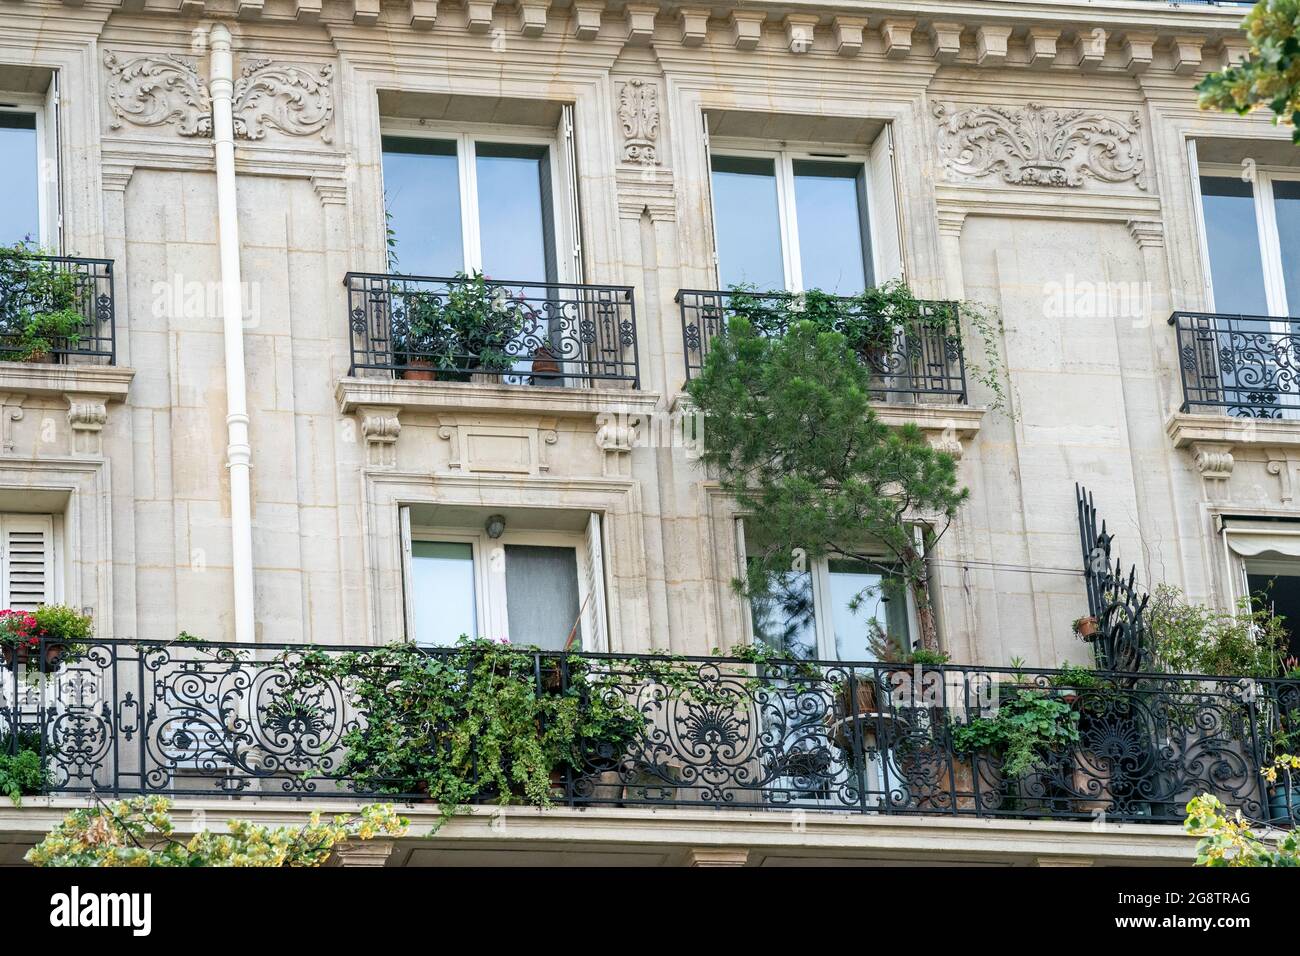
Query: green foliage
{"x": 791, "y": 434}
{"x": 1269, "y": 76}
{"x": 1230, "y": 841}
{"x": 473, "y": 723}
{"x": 60, "y": 622}
{"x": 40, "y": 304}
{"x": 22, "y": 773}
{"x": 1191, "y": 638}
{"x": 1074, "y": 677}
{"x": 139, "y": 832}
{"x": 1025, "y": 731}
{"x": 471, "y": 323}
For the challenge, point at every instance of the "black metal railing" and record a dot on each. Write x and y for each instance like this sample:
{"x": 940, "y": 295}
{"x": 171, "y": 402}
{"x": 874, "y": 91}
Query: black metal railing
{"x": 1246, "y": 366}
{"x": 921, "y": 364}
{"x": 521, "y": 333}
{"x": 1116, "y": 603}
{"x": 84, "y": 286}
{"x": 870, "y": 738}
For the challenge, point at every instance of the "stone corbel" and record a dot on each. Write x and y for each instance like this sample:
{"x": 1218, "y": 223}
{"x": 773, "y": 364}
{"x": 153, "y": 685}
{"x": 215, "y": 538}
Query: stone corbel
{"x": 586, "y": 20}
{"x": 695, "y": 25}
{"x": 380, "y": 428}
{"x": 1090, "y": 48}
{"x": 616, "y": 435}
{"x": 532, "y": 17}
{"x": 746, "y": 28}
{"x": 799, "y": 30}
{"x": 87, "y": 416}
{"x": 11, "y": 410}
{"x": 991, "y": 44}
{"x": 478, "y": 15}
{"x": 1281, "y": 466}
{"x": 945, "y": 40}
{"x": 896, "y": 35}
{"x": 1138, "y": 51}
{"x": 1041, "y": 44}
{"x": 369, "y": 853}
{"x": 1186, "y": 52}
{"x": 1213, "y": 460}
{"x": 848, "y": 35}
{"x": 640, "y": 19}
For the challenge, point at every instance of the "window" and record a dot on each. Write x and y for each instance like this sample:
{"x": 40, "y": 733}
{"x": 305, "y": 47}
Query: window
{"x": 21, "y": 141}
{"x": 1251, "y": 240}
{"x": 532, "y": 587}
{"x": 461, "y": 202}
{"x": 27, "y": 570}
{"x": 810, "y": 614}
{"x": 1266, "y": 557}
{"x": 803, "y": 219}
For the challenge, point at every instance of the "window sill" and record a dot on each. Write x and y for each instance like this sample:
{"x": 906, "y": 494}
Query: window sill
{"x": 1213, "y": 439}
{"x": 355, "y": 393}
{"x": 34, "y": 378}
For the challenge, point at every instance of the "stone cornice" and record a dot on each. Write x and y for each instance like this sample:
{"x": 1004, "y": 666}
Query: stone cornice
{"x": 355, "y": 393}
{"x": 1130, "y": 36}
{"x": 111, "y": 382}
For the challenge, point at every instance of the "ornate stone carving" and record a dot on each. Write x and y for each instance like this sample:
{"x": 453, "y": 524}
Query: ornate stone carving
{"x": 168, "y": 90}
{"x": 291, "y": 99}
{"x": 87, "y": 414}
{"x": 638, "y": 114}
{"x": 158, "y": 91}
{"x": 1039, "y": 146}
{"x": 380, "y": 427}
{"x": 1213, "y": 460}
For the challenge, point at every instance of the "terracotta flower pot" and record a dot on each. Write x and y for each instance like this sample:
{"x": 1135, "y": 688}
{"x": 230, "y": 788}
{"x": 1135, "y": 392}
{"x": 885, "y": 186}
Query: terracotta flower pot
{"x": 24, "y": 654}
{"x": 419, "y": 370}
{"x": 544, "y": 363}
{"x": 1086, "y": 627}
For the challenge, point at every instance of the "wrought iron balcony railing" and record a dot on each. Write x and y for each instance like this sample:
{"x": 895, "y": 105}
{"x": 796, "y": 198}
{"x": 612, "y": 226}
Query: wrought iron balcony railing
{"x": 84, "y": 286}
{"x": 519, "y": 333}
{"x": 1246, "y": 366}
{"x": 917, "y": 365}
{"x": 200, "y": 719}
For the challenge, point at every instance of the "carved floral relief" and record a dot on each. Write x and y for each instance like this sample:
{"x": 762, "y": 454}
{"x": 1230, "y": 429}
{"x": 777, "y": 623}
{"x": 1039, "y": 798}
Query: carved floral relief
{"x": 1040, "y": 146}
{"x": 638, "y": 115}
{"x": 168, "y": 90}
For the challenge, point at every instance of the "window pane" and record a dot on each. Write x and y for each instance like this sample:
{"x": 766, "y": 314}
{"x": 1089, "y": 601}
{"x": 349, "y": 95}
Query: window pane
{"x": 20, "y": 212}
{"x": 514, "y": 211}
{"x": 422, "y": 198}
{"x": 442, "y": 591}
{"x": 884, "y": 600}
{"x": 748, "y": 222}
{"x": 541, "y": 595}
{"x": 1235, "y": 264}
{"x": 1286, "y": 200}
{"x": 831, "y": 209}
{"x": 785, "y": 619}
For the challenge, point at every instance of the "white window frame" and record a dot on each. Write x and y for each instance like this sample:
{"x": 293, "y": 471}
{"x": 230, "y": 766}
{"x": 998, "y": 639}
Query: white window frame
{"x": 563, "y": 218}
{"x": 1270, "y": 247}
{"x": 491, "y": 606}
{"x": 823, "y": 616}
{"x": 784, "y": 158}
{"x": 44, "y": 107}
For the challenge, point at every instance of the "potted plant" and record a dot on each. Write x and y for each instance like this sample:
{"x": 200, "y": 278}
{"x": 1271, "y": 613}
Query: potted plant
{"x": 40, "y": 305}
{"x": 1086, "y": 627}
{"x": 424, "y": 340}
{"x": 60, "y": 630}
{"x": 23, "y": 773}
{"x": 1283, "y": 797}
{"x": 545, "y": 365}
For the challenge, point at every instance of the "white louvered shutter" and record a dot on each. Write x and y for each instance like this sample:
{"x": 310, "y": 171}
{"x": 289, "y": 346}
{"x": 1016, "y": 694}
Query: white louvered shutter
{"x": 408, "y": 598}
{"x": 886, "y": 238}
{"x": 27, "y": 563}
{"x": 574, "y": 199}
{"x": 594, "y": 621}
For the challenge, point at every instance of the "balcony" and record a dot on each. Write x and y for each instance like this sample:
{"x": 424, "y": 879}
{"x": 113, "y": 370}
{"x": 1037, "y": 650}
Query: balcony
{"x": 33, "y": 283}
{"x": 1243, "y": 366}
{"x": 917, "y": 367}
{"x": 197, "y": 719}
{"x": 448, "y": 330}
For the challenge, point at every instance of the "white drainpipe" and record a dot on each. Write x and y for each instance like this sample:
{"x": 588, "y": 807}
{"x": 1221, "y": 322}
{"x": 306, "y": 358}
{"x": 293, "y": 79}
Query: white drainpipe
{"x": 238, "y": 452}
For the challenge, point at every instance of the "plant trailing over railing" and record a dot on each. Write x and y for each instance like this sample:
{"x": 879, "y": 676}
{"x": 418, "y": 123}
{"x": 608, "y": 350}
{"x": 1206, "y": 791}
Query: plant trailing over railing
{"x": 469, "y": 324}
{"x": 486, "y": 720}
{"x": 1025, "y": 732}
{"x": 791, "y": 434}
{"x": 140, "y": 832}
{"x": 61, "y": 631}
{"x": 872, "y": 321}
{"x": 41, "y": 304}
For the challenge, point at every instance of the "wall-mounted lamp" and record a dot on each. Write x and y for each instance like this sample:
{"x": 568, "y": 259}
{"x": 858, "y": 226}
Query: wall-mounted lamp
{"x": 496, "y": 526}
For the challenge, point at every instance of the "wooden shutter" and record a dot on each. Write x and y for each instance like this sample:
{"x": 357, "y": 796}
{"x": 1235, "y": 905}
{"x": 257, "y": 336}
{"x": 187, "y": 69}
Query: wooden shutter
{"x": 27, "y": 562}
{"x": 882, "y": 201}
{"x": 594, "y": 621}
{"x": 408, "y": 599}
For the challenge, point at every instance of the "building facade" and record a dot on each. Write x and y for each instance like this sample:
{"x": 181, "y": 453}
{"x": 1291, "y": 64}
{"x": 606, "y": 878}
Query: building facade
{"x": 251, "y": 445}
